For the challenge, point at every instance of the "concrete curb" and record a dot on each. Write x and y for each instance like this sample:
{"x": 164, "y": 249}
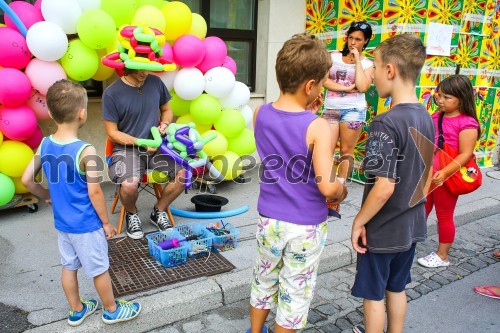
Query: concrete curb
{"x": 168, "y": 306}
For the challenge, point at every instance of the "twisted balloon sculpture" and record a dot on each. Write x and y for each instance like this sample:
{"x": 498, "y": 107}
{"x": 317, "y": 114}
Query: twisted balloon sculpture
{"x": 184, "y": 145}
{"x": 13, "y": 16}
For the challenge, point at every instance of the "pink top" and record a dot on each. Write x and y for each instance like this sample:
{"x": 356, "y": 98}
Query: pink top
{"x": 452, "y": 126}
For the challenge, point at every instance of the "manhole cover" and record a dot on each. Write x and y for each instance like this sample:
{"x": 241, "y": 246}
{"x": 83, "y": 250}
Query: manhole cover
{"x": 133, "y": 269}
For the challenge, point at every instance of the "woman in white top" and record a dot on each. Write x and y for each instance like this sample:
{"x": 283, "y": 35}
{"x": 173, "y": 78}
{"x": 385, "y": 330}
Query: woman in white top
{"x": 345, "y": 104}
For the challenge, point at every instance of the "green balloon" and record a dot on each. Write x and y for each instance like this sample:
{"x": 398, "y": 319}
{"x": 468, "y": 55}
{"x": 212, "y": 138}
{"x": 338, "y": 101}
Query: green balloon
{"x": 231, "y": 123}
{"x": 8, "y": 189}
{"x": 121, "y": 11}
{"x": 156, "y": 3}
{"x": 243, "y": 144}
{"x": 179, "y": 106}
{"x": 206, "y": 109}
{"x": 96, "y": 29}
{"x": 80, "y": 61}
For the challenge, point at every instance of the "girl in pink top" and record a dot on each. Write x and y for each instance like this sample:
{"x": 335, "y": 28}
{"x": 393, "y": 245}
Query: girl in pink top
{"x": 460, "y": 130}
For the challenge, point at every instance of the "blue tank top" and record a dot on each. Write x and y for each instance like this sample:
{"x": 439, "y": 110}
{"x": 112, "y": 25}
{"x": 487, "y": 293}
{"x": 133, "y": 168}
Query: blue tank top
{"x": 73, "y": 210}
{"x": 288, "y": 189}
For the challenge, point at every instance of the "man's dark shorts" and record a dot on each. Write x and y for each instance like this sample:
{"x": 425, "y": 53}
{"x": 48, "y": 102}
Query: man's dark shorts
{"x": 128, "y": 162}
{"x": 378, "y": 272}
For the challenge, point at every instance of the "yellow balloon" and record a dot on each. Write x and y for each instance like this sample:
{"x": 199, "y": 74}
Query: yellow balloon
{"x": 187, "y": 118}
{"x": 178, "y": 19}
{"x": 198, "y": 26}
{"x": 149, "y": 16}
{"x": 158, "y": 177}
{"x": 20, "y": 188}
{"x": 229, "y": 165}
{"x": 14, "y": 157}
{"x": 217, "y": 146}
{"x": 243, "y": 144}
{"x": 1, "y": 138}
{"x": 103, "y": 72}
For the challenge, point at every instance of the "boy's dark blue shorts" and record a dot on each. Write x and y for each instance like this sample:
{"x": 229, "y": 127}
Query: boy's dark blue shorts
{"x": 378, "y": 272}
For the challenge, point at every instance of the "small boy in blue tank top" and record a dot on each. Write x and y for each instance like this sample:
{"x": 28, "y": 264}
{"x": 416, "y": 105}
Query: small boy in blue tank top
{"x": 297, "y": 174}
{"x": 80, "y": 216}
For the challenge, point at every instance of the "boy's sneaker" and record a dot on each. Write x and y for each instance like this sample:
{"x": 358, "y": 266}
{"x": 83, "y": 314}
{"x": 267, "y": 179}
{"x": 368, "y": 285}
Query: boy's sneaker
{"x": 160, "y": 219}
{"x": 124, "y": 311}
{"x": 358, "y": 329}
{"x": 134, "y": 229}
{"x": 433, "y": 260}
{"x": 76, "y": 318}
{"x": 264, "y": 329}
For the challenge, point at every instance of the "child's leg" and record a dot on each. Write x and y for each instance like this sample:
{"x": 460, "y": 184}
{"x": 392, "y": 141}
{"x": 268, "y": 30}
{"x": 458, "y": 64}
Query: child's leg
{"x": 445, "y": 209}
{"x": 396, "y": 311}
{"x": 258, "y": 318}
{"x": 103, "y": 286}
{"x": 70, "y": 286}
{"x": 348, "y": 139}
{"x": 297, "y": 278}
{"x": 374, "y": 315}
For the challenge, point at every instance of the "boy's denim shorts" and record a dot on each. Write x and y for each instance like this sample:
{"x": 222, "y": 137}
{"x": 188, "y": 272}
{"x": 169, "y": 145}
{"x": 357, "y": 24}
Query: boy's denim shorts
{"x": 88, "y": 250}
{"x": 355, "y": 118}
{"x": 378, "y": 272}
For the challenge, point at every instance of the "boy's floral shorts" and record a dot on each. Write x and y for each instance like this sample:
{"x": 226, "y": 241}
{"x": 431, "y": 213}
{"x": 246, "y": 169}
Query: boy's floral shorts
{"x": 286, "y": 269}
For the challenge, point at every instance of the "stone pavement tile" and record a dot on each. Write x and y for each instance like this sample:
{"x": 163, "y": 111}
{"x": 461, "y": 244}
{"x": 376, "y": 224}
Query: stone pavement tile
{"x": 449, "y": 275}
{"x": 422, "y": 289}
{"x": 328, "y": 309}
{"x": 343, "y": 287}
{"x": 355, "y": 317}
{"x": 469, "y": 267}
{"x": 168, "y": 329}
{"x": 432, "y": 284}
{"x": 343, "y": 323}
{"x": 193, "y": 327}
{"x": 343, "y": 303}
{"x": 459, "y": 271}
{"x": 487, "y": 258}
{"x": 478, "y": 263}
{"x": 310, "y": 330}
{"x": 314, "y": 317}
{"x": 412, "y": 294}
{"x": 440, "y": 279}
{"x": 328, "y": 294}
{"x": 330, "y": 328}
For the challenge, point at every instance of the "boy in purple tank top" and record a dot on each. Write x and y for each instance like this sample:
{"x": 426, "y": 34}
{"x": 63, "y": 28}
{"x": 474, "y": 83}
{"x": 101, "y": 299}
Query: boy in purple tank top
{"x": 80, "y": 216}
{"x": 297, "y": 174}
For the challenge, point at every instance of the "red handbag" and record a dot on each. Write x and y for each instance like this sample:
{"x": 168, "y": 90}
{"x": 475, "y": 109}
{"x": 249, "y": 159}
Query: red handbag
{"x": 465, "y": 180}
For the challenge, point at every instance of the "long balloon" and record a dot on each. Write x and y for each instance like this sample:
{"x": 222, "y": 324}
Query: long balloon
{"x": 208, "y": 215}
{"x": 13, "y": 16}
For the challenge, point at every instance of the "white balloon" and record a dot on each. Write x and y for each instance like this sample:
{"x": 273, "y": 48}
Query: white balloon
{"x": 219, "y": 82}
{"x": 64, "y": 13}
{"x": 189, "y": 83}
{"x": 247, "y": 113}
{"x": 167, "y": 78}
{"x": 237, "y": 98}
{"x": 89, "y": 4}
{"x": 47, "y": 41}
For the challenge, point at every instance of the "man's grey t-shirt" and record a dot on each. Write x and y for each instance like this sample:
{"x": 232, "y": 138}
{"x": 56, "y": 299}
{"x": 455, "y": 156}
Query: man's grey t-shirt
{"x": 400, "y": 147}
{"x": 133, "y": 112}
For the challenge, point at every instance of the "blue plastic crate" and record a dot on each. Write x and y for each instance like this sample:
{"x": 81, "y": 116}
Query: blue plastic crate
{"x": 167, "y": 258}
{"x": 199, "y": 247}
{"x": 221, "y": 243}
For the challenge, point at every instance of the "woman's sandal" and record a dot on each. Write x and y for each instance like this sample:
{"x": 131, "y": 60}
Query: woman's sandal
{"x": 496, "y": 254}
{"x": 488, "y": 291}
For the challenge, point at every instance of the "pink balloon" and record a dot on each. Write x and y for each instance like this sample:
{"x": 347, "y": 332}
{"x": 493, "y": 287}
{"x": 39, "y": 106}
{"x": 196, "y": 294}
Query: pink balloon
{"x": 38, "y": 5}
{"x": 188, "y": 51}
{"x": 14, "y": 50}
{"x": 230, "y": 64}
{"x": 27, "y": 13}
{"x": 43, "y": 74}
{"x": 34, "y": 141}
{"x": 15, "y": 87}
{"x": 38, "y": 103}
{"x": 17, "y": 122}
{"x": 168, "y": 53}
{"x": 215, "y": 53}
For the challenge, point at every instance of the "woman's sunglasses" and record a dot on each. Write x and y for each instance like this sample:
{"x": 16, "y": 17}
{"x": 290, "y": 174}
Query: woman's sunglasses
{"x": 360, "y": 25}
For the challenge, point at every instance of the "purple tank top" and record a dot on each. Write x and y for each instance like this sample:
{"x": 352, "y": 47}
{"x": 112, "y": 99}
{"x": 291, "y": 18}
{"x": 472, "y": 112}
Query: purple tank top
{"x": 288, "y": 190}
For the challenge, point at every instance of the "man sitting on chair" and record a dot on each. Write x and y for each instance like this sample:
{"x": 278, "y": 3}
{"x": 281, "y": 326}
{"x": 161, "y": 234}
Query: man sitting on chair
{"x": 130, "y": 108}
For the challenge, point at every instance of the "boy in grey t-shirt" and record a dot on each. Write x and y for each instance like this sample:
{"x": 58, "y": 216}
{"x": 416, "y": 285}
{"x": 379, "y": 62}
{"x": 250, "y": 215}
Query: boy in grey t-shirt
{"x": 397, "y": 165}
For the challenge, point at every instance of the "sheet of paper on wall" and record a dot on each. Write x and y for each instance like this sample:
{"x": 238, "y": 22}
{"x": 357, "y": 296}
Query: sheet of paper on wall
{"x": 439, "y": 39}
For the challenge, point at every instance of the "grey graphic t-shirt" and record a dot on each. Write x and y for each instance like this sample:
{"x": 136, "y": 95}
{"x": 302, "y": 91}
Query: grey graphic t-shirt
{"x": 399, "y": 147}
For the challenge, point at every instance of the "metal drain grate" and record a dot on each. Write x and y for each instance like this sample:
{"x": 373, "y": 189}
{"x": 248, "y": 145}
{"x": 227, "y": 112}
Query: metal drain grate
{"x": 133, "y": 269}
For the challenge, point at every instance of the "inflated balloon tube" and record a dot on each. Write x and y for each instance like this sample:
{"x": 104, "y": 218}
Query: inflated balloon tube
{"x": 208, "y": 215}
{"x": 13, "y": 16}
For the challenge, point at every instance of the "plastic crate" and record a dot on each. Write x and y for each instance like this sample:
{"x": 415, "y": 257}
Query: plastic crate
{"x": 221, "y": 243}
{"x": 167, "y": 258}
{"x": 199, "y": 247}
